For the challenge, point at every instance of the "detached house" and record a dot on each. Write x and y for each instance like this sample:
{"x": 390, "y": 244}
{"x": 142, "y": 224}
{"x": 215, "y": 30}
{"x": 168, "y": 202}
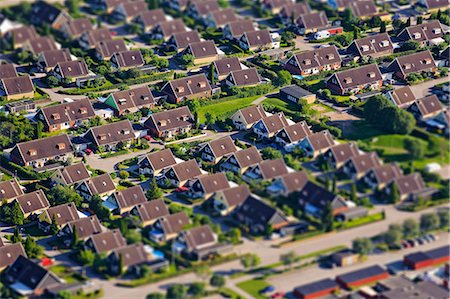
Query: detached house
{"x": 312, "y": 22}
{"x": 127, "y": 11}
{"x": 206, "y": 185}
{"x": 317, "y": 143}
{"x": 275, "y": 6}
{"x": 219, "y": 18}
{"x": 203, "y": 51}
{"x": 153, "y": 163}
{"x": 126, "y": 60}
{"x": 213, "y": 151}
{"x": 10, "y": 253}
{"x": 106, "y": 242}
{"x": 33, "y": 203}
{"x": 168, "y": 227}
{"x": 105, "y": 49}
{"x": 339, "y": 154}
{"x": 402, "y": 97}
{"x": 290, "y": 137}
{"x": 17, "y": 88}
{"x": 410, "y": 187}
{"x": 179, "y": 174}
{"x": 40, "y": 44}
{"x": 363, "y": 9}
{"x": 71, "y": 70}
{"x": 243, "y": 78}
{"x": 111, "y": 135}
{"x": 37, "y": 153}
{"x": 150, "y": 18}
{"x": 180, "y": 40}
{"x": 101, "y": 185}
{"x": 62, "y": 214}
{"x": 355, "y": 80}
{"x": 374, "y": 46}
{"x": 292, "y": 11}
{"x": 196, "y": 86}
{"x": 131, "y": 100}
{"x": 71, "y": 175}
{"x": 123, "y": 201}
{"x": 239, "y": 161}
{"x": 224, "y": 66}
{"x": 314, "y": 61}
{"x": 200, "y": 9}
{"x": 18, "y": 36}
{"x": 256, "y": 40}
{"x": 43, "y": 13}
{"x": 268, "y": 126}
{"x": 434, "y": 5}
{"x": 89, "y": 39}
{"x": 74, "y": 28}
{"x": 167, "y": 124}
{"x": 235, "y": 29}
{"x": 9, "y": 190}
{"x": 49, "y": 59}
{"x": 150, "y": 211}
{"x": 265, "y": 170}
{"x": 315, "y": 199}
{"x": 8, "y": 71}
{"x": 358, "y": 166}
{"x": 85, "y": 228}
{"x": 227, "y": 200}
{"x": 379, "y": 177}
{"x": 428, "y": 33}
{"x": 426, "y": 108}
{"x": 164, "y": 30}
{"x": 404, "y": 66}
{"x": 288, "y": 183}
{"x": 245, "y": 118}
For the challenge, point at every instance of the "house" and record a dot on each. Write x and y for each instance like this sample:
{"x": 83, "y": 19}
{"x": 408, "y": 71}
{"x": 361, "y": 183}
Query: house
{"x": 238, "y": 161}
{"x": 426, "y": 108}
{"x": 150, "y": 18}
{"x": 101, "y": 185}
{"x": 258, "y": 216}
{"x": 90, "y": 38}
{"x": 288, "y": 183}
{"x": 314, "y": 61}
{"x": 205, "y": 186}
{"x": 127, "y": 11}
{"x": 317, "y": 143}
{"x": 66, "y": 115}
{"x": 8, "y": 71}
{"x": 131, "y": 100}
{"x": 85, "y": 228}
{"x": 290, "y": 12}
{"x": 9, "y": 253}
{"x": 28, "y": 279}
{"x": 214, "y": 150}
{"x": 164, "y": 30}
{"x": 426, "y": 34}
{"x": 106, "y": 242}
{"x": 219, "y": 18}
{"x": 265, "y": 170}
{"x": 268, "y": 126}
{"x": 243, "y": 78}
{"x": 192, "y": 87}
{"x": 256, "y": 40}
{"x": 38, "y": 152}
{"x": 111, "y": 136}
{"x": 316, "y": 289}
{"x": 6, "y": 24}
{"x": 376, "y": 45}
{"x": 74, "y": 28}
{"x": 153, "y": 163}
{"x": 17, "y": 88}
{"x": 178, "y": 5}
{"x": 179, "y": 174}
{"x": 70, "y": 71}
{"x": 40, "y": 44}
{"x": 227, "y": 200}
{"x": 315, "y": 199}
{"x": 62, "y": 214}
{"x": 445, "y": 56}
{"x": 363, "y": 9}
{"x": 168, "y": 227}
{"x": 362, "y": 277}
{"x": 104, "y": 50}
{"x": 295, "y": 93}
{"x": 170, "y": 123}
{"x": 339, "y": 154}
{"x": 203, "y": 51}
{"x": 355, "y": 80}
{"x": 402, "y": 97}
{"x": 33, "y": 203}
{"x": 126, "y": 60}
{"x": 43, "y": 13}
{"x": 47, "y": 60}
{"x": 356, "y": 167}
{"x": 410, "y": 187}
{"x": 419, "y": 62}
{"x": 18, "y": 36}
{"x": 180, "y": 40}
{"x": 224, "y": 66}
{"x": 200, "y": 9}
{"x": 444, "y": 119}
{"x": 434, "y": 5}
{"x": 150, "y": 211}
{"x": 10, "y": 190}
{"x": 245, "y": 118}
{"x": 290, "y": 137}
{"x": 123, "y": 201}
{"x": 235, "y": 29}
{"x": 108, "y": 5}
{"x": 379, "y": 177}
{"x": 312, "y": 22}
{"x": 275, "y": 6}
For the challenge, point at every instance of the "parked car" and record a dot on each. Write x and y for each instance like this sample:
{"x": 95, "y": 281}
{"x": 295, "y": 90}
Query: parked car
{"x": 88, "y": 151}
{"x": 181, "y": 189}
{"x": 148, "y": 138}
{"x": 268, "y": 289}
{"x": 277, "y": 295}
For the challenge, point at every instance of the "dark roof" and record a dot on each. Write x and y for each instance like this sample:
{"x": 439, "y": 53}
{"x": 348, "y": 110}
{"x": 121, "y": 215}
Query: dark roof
{"x": 258, "y": 37}
{"x": 373, "y": 44}
{"x": 45, "y": 147}
{"x": 386, "y": 173}
{"x": 413, "y": 63}
{"x": 222, "y": 146}
{"x": 133, "y": 98}
{"x": 128, "y": 58}
{"x": 186, "y": 170}
{"x": 319, "y": 196}
{"x": 170, "y": 119}
{"x": 239, "y": 27}
{"x": 313, "y": 20}
{"x": 359, "y": 76}
{"x": 403, "y": 96}
{"x": 9, "y": 253}
{"x": 86, "y": 226}
{"x": 363, "y": 8}
{"x": 41, "y": 44}
{"x": 161, "y": 159}
{"x": 33, "y": 201}
{"x": 411, "y": 183}
{"x": 234, "y": 196}
{"x": 438, "y": 253}
{"x": 259, "y": 211}
{"x": 417, "y": 257}
{"x": 152, "y": 210}
{"x": 361, "y": 274}
{"x": 296, "y": 91}
{"x": 429, "y": 105}
{"x": 133, "y": 8}
{"x": 223, "y": 16}
{"x": 130, "y": 197}
{"x": 422, "y": 32}
{"x": 294, "y": 181}
{"x": 296, "y": 132}
{"x": 253, "y": 113}
{"x": 76, "y": 110}
{"x": 198, "y": 236}
{"x": 17, "y": 85}
{"x": 245, "y": 77}
{"x": 203, "y": 49}
{"x": 44, "y": 12}
{"x": 295, "y": 10}
{"x": 73, "y": 69}
{"x": 152, "y": 17}
{"x": 316, "y": 287}
{"x": 97, "y": 35}
{"x": 174, "y": 223}
{"x": 365, "y": 162}
{"x": 188, "y": 85}
{"x": 7, "y": 70}
{"x": 272, "y": 168}
{"x": 63, "y": 213}
{"x": 132, "y": 255}
{"x": 78, "y": 26}
{"x": 344, "y": 151}
{"x": 10, "y": 189}
{"x": 108, "y": 47}
{"x": 108, "y": 241}
{"x": 213, "y": 182}
{"x": 434, "y": 4}
{"x": 275, "y": 122}
{"x": 183, "y": 39}
{"x": 205, "y": 6}
{"x": 226, "y": 65}
{"x": 53, "y": 57}
{"x": 320, "y": 140}
{"x": 168, "y": 28}
{"x": 100, "y": 184}
{"x": 247, "y": 157}
{"x": 317, "y": 57}
{"x": 112, "y": 132}
{"x": 22, "y": 34}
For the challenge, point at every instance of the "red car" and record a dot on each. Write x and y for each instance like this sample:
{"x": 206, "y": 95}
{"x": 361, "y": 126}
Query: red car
{"x": 148, "y": 138}
{"x": 181, "y": 189}
{"x": 88, "y": 151}
{"x": 278, "y": 295}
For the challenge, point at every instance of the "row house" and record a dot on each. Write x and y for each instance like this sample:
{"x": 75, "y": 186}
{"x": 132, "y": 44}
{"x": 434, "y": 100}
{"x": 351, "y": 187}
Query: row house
{"x": 224, "y": 66}
{"x": 131, "y": 100}
{"x": 235, "y": 29}
{"x": 426, "y": 34}
{"x": 243, "y": 78}
{"x": 192, "y": 87}
{"x": 203, "y": 51}
{"x": 74, "y": 28}
{"x": 10, "y": 190}
{"x": 288, "y": 183}
{"x": 213, "y": 151}
{"x": 150, "y": 211}
{"x": 153, "y": 163}
{"x": 268, "y": 126}
{"x": 367, "y": 77}
{"x": 220, "y": 18}
{"x": 127, "y": 11}
{"x": 61, "y": 214}
{"x": 339, "y": 154}
{"x": 170, "y": 123}
{"x": 265, "y": 170}
{"x": 374, "y": 46}
{"x": 178, "y": 175}
{"x": 48, "y": 60}
{"x": 17, "y": 88}
{"x": 257, "y": 40}
{"x": 404, "y": 66}
{"x": 180, "y": 41}
{"x": 101, "y": 185}
{"x": 358, "y": 166}
{"x": 316, "y": 144}
{"x": 291, "y": 136}
{"x": 314, "y": 61}
{"x": 121, "y": 202}
{"x": 148, "y": 19}
{"x": 245, "y": 118}
{"x": 111, "y": 135}
{"x": 227, "y": 200}
{"x": 206, "y": 185}
{"x": 164, "y": 30}
{"x": 239, "y": 161}
{"x": 71, "y": 175}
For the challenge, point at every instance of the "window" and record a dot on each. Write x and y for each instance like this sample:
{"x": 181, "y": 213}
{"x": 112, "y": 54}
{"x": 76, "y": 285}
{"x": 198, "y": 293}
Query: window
{"x": 61, "y": 146}
{"x": 371, "y": 75}
{"x": 365, "y": 48}
{"x": 32, "y": 152}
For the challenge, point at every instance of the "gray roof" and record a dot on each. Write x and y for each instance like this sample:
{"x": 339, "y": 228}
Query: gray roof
{"x": 296, "y": 91}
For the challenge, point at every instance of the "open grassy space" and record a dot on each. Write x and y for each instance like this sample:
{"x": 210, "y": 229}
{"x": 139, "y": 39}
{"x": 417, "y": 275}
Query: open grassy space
{"x": 253, "y": 287}
{"x": 282, "y": 104}
{"x": 315, "y": 85}
{"x": 225, "y": 109}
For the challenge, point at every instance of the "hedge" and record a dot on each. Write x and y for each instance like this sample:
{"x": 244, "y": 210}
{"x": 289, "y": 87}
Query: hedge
{"x": 22, "y": 171}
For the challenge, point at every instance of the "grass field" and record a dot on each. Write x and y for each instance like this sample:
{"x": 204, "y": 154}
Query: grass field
{"x": 225, "y": 109}
{"x": 253, "y": 287}
{"x": 282, "y": 105}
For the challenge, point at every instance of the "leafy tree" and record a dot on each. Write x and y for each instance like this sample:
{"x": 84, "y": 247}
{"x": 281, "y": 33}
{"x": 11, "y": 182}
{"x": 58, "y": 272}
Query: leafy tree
{"x": 374, "y": 106}
{"x": 152, "y": 4}
{"x": 288, "y": 258}
{"x": 187, "y": 60}
{"x": 197, "y": 289}
{"x": 32, "y": 249}
{"x": 419, "y": 20}
{"x": 284, "y": 78}
{"x": 210, "y": 118}
{"x": 394, "y": 196}
{"x": 203, "y": 272}
{"x": 86, "y": 257}
{"x": 154, "y": 192}
{"x": 73, "y": 6}
{"x": 75, "y": 237}
{"x": 156, "y": 296}
{"x": 39, "y": 129}
{"x": 271, "y": 154}
{"x": 327, "y": 218}
{"x": 54, "y": 229}
{"x": 16, "y": 237}
{"x": 250, "y": 260}
{"x": 176, "y": 291}
{"x": 444, "y": 218}
{"x": 411, "y": 45}
{"x": 120, "y": 265}
{"x": 212, "y": 70}
{"x": 410, "y": 228}
{"x": 398, "y": 121}
{"x": 429, "y": 221}
{"x": 123, "y": 174}
{"x": 353, "y": 193}
{"x": 61, "y": 195}
{"x": 96, "y": 205}
{"x": 415, "y": 148}
{"x": 393, "y": 236}
{"x": 17, "y": 216}
{"x": 235, "y": 235}
{"x": 362, "y": 246}
{"x": 217, "y": 280}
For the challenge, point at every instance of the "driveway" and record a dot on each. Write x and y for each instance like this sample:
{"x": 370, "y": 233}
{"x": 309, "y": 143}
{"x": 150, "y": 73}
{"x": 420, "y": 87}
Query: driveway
{"x": 424, "y": 89}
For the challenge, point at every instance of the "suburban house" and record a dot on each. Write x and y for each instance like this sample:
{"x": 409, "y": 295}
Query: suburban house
{"x": 9, "y": 253}
{"x": 290, "y": 137}
{"x": 75, "y": 27}
{"x": 33, "y": 203}
{"x": 238, "y": 161}
{"x": 245, "y": 118}
{"x": 111, "y": 136}
{"x": 434, "y": 5}
{"x": 104, "y": 50}
{"x": 181, "y": 40}
{"x": 66, "y": 115}
{"x": 258, "y": 216}
{"x": 312, "y": 22}
{"x": 202, "y": 51}
{"x": 363, "y": 9}
{"x": 150, "y": 18}
{"x": 243, "y": 78}
{"x": 8, "y": 71}
{"x": 268, "y": 126}
{"x": 265, "y": 170}
{"x": 403, "y": 66}
{"x": 17, "y": 88}
{"x": 105, "y": 242}
{"x": 410, "y": 187}
{"x": 295, "y": 93}
{"x": 164, "y": 30}
{"x": 379, "y": 177}
{"x": 227, "y": 200}
{"x": 373, "y": 45}
{"x": 290, "y": 12}
{"x": 256, "y": 40}
{"x": 317, "y": 143}
{"x": 37, "y": 153}
{"x": 178, "y": 5}
{"x": 355, "y": 80}
{"x": 179, "y": 174}
{"x": 275, "y": 6}
{"x": 219, "y": 18}
{"x": 62, "y": 214}
{"x": 49, "y": 59}
{"x": 10, "y": 190}
{"x": 357, "y": 166}
{"x": 205, "y": 186}
{"x": 426, "y": 34}
{"x": 200, "y": 9}
{"x": 131, "y": 100}
{"x": 19, "y": 36}
{"x": 339, "y": 154}
{"x": 85, "y": 228}
{"x": 150, "y": 211}
{"x": 214, "y": 150}
{"x": 168, "y": 227}
{"x": 192, "y": 87}
{"x": 288, "y": 183}
{"x": 426, "y": 108}
{"x": 108, "y": 5}
{"x": 43, "y": 13}
{"x": 314, "y": 199}
{"x": 170, "y": 123}
{"x": 314, "y": 61}
{"x": 123, "y": 201}
{"x": 101, "y": 185}
{"x": 40, "y": 44}
{"x": 90, "y": 38}
{"x": 70, "y": 71}
{"x": 235, "y": 29}
{"x": 224, "y": 66}
{"x": 70, "y": 175}
{"x": 153, "y": 163}
{"x": 126, "y": 60}
{"x": 127, "y": 11}
{"x": 402, "y": 97}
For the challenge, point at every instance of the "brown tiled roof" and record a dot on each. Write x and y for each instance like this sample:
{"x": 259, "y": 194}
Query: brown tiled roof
{"x": 363, "y": 8}
{"x": 222, "y": 146}
{"x": 365, "y": 162}
{"x": 320, "y": 140}
{"x": 223, "y": 16}
{"x": 7, "y": 70}
{"x": 373, "y": 44}
{"x": 66, "y": 112}
{"x": 10, "y": 189}
{"x": 423, "y": 32}
{"x": 129, "y": 58}
{"x": 253, "y": 113}
{"x": 258, "y": 37}
{"x": 435, "y": 4}
{"x": 171, "y": 119}
{"x": 174, "y": 223}
{"x": 272, "y": 168}
{"x": 297, "y": 131}
{"x": 23, "y": 34}
{"x": 98, "y": 35}
{"x": 114, "y": 3}
{"x": 132, "y": 255}
{"x": 108, "y": 47}
{"x": 75, "y": 173}
{"x": 245, "y": 77}
{"x": 152, "y": 210}
{"x": 294, "y": 181}
{"x": 53, "y": 57}
{"x": 100, "y": 184}
{"x": 248, "y": 157}
{"x": 198, "y": 237}
{"x": 33, "y": 202}
{"x": 275, "y": 122}
{"x": 359, "y": 76}
{"x": 415, "y": 62}
{"x": 403, "y": 96}
{"x": 134, "y": 8}
{"x": 130, "y": 197}
{"x": 214, "y": 182}
{"x": 344, "y": 151}
{"x": 183, "y": 39}
{"x": 170, "y": 27}
{"x": 112, "y": 132}
{"x": 429, "y": 105}
{"x": 387, "y": 173}
{"x": 410, "y": 183}
{"x": 317, "y": 57}
{"x": 17, "y": 85}
{"x": 161, "y": 159}
{"x": 205, "y": 6}
{"x": 203, "y": 49}
{"x": 41, "y": 44}
{"x": 133, "y": 98}
{"x": 86, "y": 226}
{"x": 186, "y": 170}
{"x": 152, "y": 17}
{"x": 63, "y": 213}
{"x": 108, "y": 241}
{"x": 313, "y": 20}
{"x": 239, "y": 27}
{"x": 78, "y": 26}
{"x": 45, "y": 147}
{"x": 226, "y": 65}
{"x": 73, "y": 69}
{"x": 295, "y": 10}
{"x": 9, "y": 253}
{"x": 234, "y": 196}
{"x": 189, "y": 85}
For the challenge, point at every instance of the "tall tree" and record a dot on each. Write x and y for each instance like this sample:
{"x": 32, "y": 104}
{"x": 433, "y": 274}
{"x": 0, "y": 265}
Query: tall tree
{"x": 120, "y": 265}
{"x": 75, "y": 238}
{"x": 154, "y": 192}
{"x": 17, "y": 216}
{"x": 54, "y": 229}
{"x": 383, "y": 27}
{"x": 362, "y": 246}
{"x": 394, "y": 196}
{"x": 212, "y": 71}
{"x": 39, "y": 129}
{"x": 410, "y": 228}
{"x": 328, "y": 218}
{"x": 16, "y": 238}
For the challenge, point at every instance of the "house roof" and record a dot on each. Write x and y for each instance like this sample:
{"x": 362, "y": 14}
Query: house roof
{"x": 358, "y": 76}
{"x": 45, "y": 147}
{"x": 10, "y": 189}
{"x": 170, "y": 119}
{"x": 234, "y": 196}
{"x": 188, "y": 85}
{"x": 365, "y": 162}
{"x": 403, "y": 96}
{"x": 411, "y": 183}
{"x": 108, "y": 241}
{"x": 362, "y": 274}
{"x": 107, "y": 48}
{"x": 168, "y": 28}
{"x": 152, "y": 17}
{"x": 130, "y": 197}
{"x": 74, "y": 173}
{"x": 66, "y": 112}
{"x": 73, "y": 69}
{"x": 134, "y": 8}
{"x": 316, "y": 287}
{"x": 275, "y": 122}
{"x": 113, "y": 3}
{"x": 294, "y": 181}
{"x": 363, "y": 8}
{"x": 439, "y": 252}
{"x": 272, "y": 168}
{"x": 313, "y": 20}
{"x": 239, "y": 27}
{"x": 186, "y": 170}
{"x": 222, "y": 146}
{"x": 223, "y": 16}
{"x": 203, "y": 49}
{"x": 435, "y": 4}
{"x": 295, "y": 10}
{"x": 9, "y": 253}
{"x": 258, "y": 37}
{"x": 100, "y": 184}
{"x": 198, "y": 237}
{"x": 132, "y": 255}
{"x": 17, "y": 85}
{"x": 213, "y": 182}
{"x": 152, "y": 210}
{"x": 184, "y": 38}
{"x": 22, "y": 34}
{"x": 422, "y": 32}
{"x": 386, "y": 173}
{"x": 205, "y": 6}
{"x": 86, "y": 226}
{"x": 97, "y": 35}
{"x": 112, "y": 133}
{"x": 7, "y": 70}
{"x": 373, "y": 44}
{"x": 133, "y": 98}
{"x": 226, "y": 65}
{"x": 320, "y": 140}
{"x": 45, "y": 12}
{"x": 320, "y": 197}
{"x": 415, "y": 62}
{"x": 33, "y": 202}
{"x": 297, "y": 131}
{"x": 245, "y": 77}
{"x": 276, "y": 3}
{"x": 161, "y": 159}
{"x": 344, "y": 151}
{"x": 78, "y": 26}
{"x": 260, "y": 212}
{"x": 429, "y": 105}
{"x": 53, "y": 57}
{"x": 247, "y": 157}
{"x": 317, "y": 57}
{"x": 63, "y": 213}
{"x": 253, "y": 113}
{"x": 174, "y": 223}
{"x": 41, "y": 44}
{"x": 128, "y": 58}
{"x": 296, "y": 91}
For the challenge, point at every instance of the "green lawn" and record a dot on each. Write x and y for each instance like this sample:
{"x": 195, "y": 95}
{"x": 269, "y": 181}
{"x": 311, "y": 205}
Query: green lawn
{"x": 253, "y": 287}
{"x": 282, "y": 105}
{"x": 225, "y": 109}
{"x": 315, "y": 85}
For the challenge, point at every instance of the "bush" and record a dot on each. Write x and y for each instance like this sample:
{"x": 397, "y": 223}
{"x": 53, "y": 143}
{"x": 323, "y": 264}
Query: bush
{"x": 123, "y": 174}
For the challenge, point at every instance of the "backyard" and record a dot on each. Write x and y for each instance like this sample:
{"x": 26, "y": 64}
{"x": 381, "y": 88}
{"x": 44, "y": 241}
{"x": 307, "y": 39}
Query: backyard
{"x": 223, "y": 109}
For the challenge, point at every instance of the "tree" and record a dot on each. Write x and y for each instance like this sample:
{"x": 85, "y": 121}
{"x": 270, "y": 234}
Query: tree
{"x": 210, "y": 118}
{"x": 284, "y": 78}
{"x": 16, "y": 237}
{"x": 383, "y": 27}
{"x": 176, "y": 291}
{"x": 39, "y": 129}
{"x": 217, "y": 280}
{"x": 429, "y": 221}
{"x": 75, "y": 238}
{"x": 394, "y": 196}
{"x": 327, "y": 218}
{"x": 212, "y": 70}
{"x": 288, "y": 259}
{"x": 271, "y": 153}
{"x": 86, "y": 257}
{"x": 444, "y": 217}
{"x": 355, "y": 33}
{"x": 393, "y": 236}
{"x": 32, "y": 249}
{"x": 154, "y": 191}
{"x": 16, "y": 214}
{"x": 419, "y": 20}
{"x": 250, "y": 260}
{"x": 187, "y": 60}
{"x": 354, "y": 193}
{"x": 120, "y": 265}
{"x": 203, "y": 272}
{"x": 61, "y": 195}
{"x": 54, "y": 229}
{"x": 196, "y": 289}
{"x": 123, "y": 174}
{"x": 398, "y": 121}
{"x": 415, "y": 148}
{"x": 96, "y": 205}
{"x": 73, "y": 6}
{"x": 411, "y": 45}
{"x": 156, "y": 296}
{"x": 410, "y": 228}
{"x": 362, "y": 246}
{"x": 153, "y": 4}
{"x": 374, "y": 106}
{"x": 235, "y": 235}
